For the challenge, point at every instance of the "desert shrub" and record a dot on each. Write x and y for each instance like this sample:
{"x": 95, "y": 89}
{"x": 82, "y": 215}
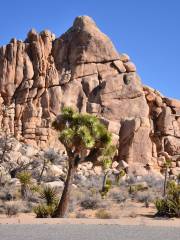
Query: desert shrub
{"x": 118, "y": 195}
{"x": 24, "y": 177}
{"x": 135, "y": 188}
{"x": 25, "y": 180}
{"x": 153, "y": 181}
{"x": 103, "y": 214}
{"x": 170, "y": 204}
{"x": 44, "y": 211}
{"x": 162, "y": 207}
{"x": 133, "y": 215}
{"x": 106, "y": 188}
{"x": 89, "y": 203}
{"x": 80, "y": 215}
{"x": 11, "y": 209}
{"x": 51, "y": 155}
{"x": 50, "y": 196}
{"x": 9, "y": 192}
{"x": 145, "y": 197}
{"x": 131, "y": 179}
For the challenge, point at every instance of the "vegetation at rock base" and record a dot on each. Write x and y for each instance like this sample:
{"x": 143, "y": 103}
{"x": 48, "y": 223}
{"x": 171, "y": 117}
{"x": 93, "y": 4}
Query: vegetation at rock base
{"x": 25, "y": 180}
{"x": 50, "y": 196}
{"x": 85, "y": 139}
{"x": 169, "y": 206}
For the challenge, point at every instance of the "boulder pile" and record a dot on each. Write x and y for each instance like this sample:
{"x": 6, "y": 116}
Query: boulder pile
{"x": 82, "y": 69}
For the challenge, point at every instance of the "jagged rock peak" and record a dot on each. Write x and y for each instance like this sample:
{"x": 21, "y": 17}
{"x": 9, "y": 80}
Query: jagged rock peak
{"x": 84, "y": 43}
{"x": 82, "y": 22}
{"x": 82, "y": 69}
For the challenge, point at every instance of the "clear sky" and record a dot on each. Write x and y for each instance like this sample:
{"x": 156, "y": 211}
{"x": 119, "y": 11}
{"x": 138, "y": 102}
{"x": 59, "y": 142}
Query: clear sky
{"x": 148, "y": 30}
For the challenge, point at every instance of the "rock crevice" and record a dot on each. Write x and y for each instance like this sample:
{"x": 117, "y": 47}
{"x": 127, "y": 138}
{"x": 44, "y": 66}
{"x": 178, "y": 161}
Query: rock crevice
{"x": 82, "y": 69}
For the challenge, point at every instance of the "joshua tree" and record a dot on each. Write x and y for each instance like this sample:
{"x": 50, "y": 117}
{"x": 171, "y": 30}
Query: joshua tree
{"x": 85, "y": 138}
{"x": 166, "y": 167}
{"x": 25, "y": 180}
{"x": 107, "y": 159}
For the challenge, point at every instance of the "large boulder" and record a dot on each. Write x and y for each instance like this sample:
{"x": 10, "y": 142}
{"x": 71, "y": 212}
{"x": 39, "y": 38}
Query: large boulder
{"x": 82, "y": 69}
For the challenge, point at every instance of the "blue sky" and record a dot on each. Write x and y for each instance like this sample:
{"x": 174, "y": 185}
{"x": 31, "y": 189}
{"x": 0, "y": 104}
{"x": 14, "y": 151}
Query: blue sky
{"x": 148, "y": 30}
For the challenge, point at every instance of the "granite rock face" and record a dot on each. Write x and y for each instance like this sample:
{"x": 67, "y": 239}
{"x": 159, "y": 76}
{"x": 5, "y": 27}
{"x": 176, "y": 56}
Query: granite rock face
{"x": 82, "y": 69}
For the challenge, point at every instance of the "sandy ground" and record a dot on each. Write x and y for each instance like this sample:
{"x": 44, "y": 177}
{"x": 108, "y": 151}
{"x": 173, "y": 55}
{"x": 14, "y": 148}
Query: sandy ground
{"x": 132, "y": 213}
{"x": 139, "y": 220}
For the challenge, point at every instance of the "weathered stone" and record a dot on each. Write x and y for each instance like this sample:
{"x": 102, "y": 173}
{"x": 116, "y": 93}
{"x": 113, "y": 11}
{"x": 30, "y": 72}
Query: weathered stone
{"x": 124, "y": 57}
{"x": 172, "y": 145}
{"x": 172, "y": 102}
{"x": 159, "y": 101}
{"x": 151, "y": 97}
{"x": 82, "y": 69}
{"x": 93, "y": 108}
{"x": 89, "y": 83}
{"x": 165, "y": 122}
{"x": 130, "y": 67}
{"x": 120, "y": 66}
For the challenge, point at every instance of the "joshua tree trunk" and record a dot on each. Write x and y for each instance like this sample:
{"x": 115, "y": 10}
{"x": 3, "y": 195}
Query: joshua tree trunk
{"x": 104, "y": 181}
{"x": 165, "y": 182}
{"x": 24, "y": 191}
{"x": 63, "y": 204}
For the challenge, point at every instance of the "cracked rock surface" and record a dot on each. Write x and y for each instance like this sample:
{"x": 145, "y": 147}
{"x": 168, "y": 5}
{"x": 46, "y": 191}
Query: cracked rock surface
{"x": 82, "y": 69}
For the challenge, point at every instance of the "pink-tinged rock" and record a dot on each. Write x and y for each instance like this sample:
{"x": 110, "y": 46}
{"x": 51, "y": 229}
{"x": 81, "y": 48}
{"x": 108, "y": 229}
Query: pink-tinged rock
{"x": 172, "y": 102}
{"x": 124, "y": 57}
{"x": 120, "y": 66}
{"x": 151, "y": 97}
{"x": 130, "y": 67}
{"x": 172, "y": 145}
{"x": 159, "y": 101}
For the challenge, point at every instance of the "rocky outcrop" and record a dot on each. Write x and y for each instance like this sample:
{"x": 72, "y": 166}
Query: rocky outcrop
{"x": 82, "y": 69}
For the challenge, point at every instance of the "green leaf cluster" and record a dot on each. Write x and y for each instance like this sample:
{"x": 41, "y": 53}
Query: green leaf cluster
{"x": 170, "y": 205}
{"x": 81, "y": 131}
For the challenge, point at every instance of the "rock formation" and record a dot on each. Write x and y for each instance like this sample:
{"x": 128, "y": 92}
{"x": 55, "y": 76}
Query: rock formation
{"x": 82, "y": 69}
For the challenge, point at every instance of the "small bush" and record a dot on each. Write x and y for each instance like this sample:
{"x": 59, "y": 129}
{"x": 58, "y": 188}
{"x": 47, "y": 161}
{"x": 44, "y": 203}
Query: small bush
{"x": 44, "y": 211}
{"x": 170, "y": 204}
{"x": 162, "y": 208}
{"x": 89, "y": 203}
{"x": 135, "y": 188}
{"x": 11, "y": 209}
{"x": 103, "y": 214}
{"x": 144, "y": 197}
{"x": 24, "y": 177}
{"x": 50, "y": 196}
{"x": 7, "y": 193}
{"x": 118, "y": 196}
{"x": 80, "y": 215}
{"x": 133, "y": 215}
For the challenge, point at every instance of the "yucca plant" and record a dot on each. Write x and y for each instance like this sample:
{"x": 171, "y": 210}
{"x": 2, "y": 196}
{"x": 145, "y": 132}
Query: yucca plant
{"x": 107, "y": 159}
{"x": 167, "y": 165}
{"x": 178, "y": 178}
{"x": 170, "y": 204}
{"x": 162, "y": 207}
{"x": 25, "y": 180}
{"x": 85, "y": 139}
{"x": 49, "y": 194}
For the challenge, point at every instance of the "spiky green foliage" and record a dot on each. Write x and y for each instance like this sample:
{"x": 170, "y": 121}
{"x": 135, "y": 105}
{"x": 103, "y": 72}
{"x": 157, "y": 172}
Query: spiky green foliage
{"x": 24, "y": 178}
{"x": 169, "y": 205}
{"x": 85, "y": 139}
{"x": 108, "y": 154}
{"x": 82, "y": 131}
{"x": 49, "y": 194}
{"x": 44, "y": 211}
